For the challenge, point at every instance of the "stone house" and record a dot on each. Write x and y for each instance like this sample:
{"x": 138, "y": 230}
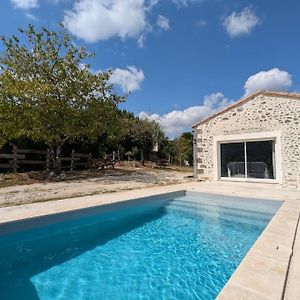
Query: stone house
{"x": 255, "y": 139}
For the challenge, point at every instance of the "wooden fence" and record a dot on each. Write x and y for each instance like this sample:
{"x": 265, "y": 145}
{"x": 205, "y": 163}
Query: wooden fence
{"x": 44, "y": 158}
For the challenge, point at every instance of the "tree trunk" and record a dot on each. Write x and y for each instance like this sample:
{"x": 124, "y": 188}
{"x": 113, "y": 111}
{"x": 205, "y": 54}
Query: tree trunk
{"x": 142, "y": 158}
{"x": 52, "y": 158}
{"x": 58, "y": 160}
{"x": 55, "y": 157}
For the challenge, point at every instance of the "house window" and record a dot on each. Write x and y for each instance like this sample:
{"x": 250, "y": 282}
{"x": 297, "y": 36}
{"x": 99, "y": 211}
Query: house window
{"x": 248, "y": 159}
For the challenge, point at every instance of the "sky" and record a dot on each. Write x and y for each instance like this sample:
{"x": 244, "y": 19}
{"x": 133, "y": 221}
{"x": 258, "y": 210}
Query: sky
{"x": 181, "y": 60}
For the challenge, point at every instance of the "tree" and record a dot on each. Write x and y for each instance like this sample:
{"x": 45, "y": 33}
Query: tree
{"x": 167, "y": 150}
{"x": 184, "y": 148}
{"x": 143, "y": 134}
{"x": 48, "y": 93}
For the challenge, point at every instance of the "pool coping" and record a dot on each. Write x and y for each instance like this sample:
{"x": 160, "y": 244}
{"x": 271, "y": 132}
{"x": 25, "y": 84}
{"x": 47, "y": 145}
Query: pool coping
{"x": 13, "y": 214}
{"x": 263, "y": 272}
{"x": 87, "y": 211}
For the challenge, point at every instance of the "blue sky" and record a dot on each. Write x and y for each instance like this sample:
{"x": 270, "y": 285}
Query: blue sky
{"x": 181, "y": 59}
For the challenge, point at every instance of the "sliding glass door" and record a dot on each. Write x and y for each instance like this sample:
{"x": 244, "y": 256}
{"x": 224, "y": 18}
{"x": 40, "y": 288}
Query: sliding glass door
{"x": 253, "y": 159}
{"x": 260, "y": 159}
{"x": 233, "y": 160}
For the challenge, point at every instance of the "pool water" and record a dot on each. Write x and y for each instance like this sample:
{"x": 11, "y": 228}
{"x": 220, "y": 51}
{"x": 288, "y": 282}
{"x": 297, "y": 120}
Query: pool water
{"x": 182, "y": 248}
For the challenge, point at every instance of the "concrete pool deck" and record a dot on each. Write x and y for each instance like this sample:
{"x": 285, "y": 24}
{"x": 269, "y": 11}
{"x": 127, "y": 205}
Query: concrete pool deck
{"x": 270, "y": 270}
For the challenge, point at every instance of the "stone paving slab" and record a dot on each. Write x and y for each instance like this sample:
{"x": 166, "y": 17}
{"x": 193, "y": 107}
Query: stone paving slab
{"x": 292, "y": 291}
{"x": 265, "y": 268}
{"x": 237, "y": 292}
{"x": 32, "y": 210}
{"x": 252, "y": 190}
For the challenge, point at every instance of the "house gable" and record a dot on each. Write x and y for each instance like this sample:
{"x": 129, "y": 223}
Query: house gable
{"x": 242, "y": 101}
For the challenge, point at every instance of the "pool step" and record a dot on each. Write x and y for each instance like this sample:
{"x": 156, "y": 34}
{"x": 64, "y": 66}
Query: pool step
{"x": 226, "y": 210}
{"x": 226, "y": 214}
{"x": 247, "y": 204}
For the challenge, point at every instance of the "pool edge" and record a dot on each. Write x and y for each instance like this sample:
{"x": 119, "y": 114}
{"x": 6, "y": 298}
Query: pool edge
{"x": 29, "y": 222}
{"x": 262, "y": 274}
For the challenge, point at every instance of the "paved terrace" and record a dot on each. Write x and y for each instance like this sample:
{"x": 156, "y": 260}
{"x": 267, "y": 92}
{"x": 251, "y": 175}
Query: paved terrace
{"x": 270, "y": 270}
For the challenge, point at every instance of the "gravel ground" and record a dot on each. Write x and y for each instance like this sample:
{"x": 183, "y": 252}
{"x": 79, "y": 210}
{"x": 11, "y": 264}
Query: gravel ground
{"x": 109, "y": 181}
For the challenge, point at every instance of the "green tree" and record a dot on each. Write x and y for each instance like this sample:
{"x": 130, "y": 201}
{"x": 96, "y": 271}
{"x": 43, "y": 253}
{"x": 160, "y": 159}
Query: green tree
{"x": 184, "y": 148}
{"x": 141, "y": 133}
{"x": 167, "y": 150}
{"x": 48, "y": 93}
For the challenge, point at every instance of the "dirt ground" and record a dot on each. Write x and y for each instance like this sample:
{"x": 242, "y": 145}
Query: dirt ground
{"x": 22, "y": 188}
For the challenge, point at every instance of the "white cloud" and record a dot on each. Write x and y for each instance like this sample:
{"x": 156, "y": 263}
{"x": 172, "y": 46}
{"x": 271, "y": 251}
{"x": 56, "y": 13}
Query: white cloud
{"x": 163, "y": 22}
{"x": 95, "y": 20}
{"x": 177, "y": 121}
{"x": 151, "y": 3}
{"x": 31, "y": 16}
{"x": 58, "y": 1}
{"x": 242, "y": 23}
{"x": 141, "y": 41}
{"x": 25, "y": 4}
{"x": 129, "y": 79}
{"x": 201, "y": 23}
{"x": 273, "y": 79}
{"x": 184, "y": 3}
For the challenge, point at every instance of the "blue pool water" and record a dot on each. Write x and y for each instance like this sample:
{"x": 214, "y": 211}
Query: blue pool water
{"x": 181, "y": 248}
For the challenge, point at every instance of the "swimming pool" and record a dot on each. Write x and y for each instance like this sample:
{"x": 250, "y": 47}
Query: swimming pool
{"x": 176, "y": 246}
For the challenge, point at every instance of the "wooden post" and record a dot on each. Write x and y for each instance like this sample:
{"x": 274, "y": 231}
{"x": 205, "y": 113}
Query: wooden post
{"x": 58, "y": 160}
{"x": 72, "y": 159}
{"x": 15, "y": 158}
{"x": 89, "y": 161}
{"x": 52, "y": 159}
{"x": 48, "y": 160}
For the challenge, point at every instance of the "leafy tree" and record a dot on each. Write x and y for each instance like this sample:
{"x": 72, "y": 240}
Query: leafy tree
{"x": 143, "y": 134}
{"x": 167, "y": 150}
{"x": 48, "y": 94}
{"x": 184, "y": 148}
{"x": 129, "y": 154}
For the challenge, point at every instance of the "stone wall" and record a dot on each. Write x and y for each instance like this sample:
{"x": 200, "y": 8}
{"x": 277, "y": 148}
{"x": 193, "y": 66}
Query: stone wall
{"x": 261, "y": 114}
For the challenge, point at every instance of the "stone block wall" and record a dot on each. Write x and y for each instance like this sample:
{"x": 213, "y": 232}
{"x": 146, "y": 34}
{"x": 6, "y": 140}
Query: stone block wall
{"x": 262, "y": 113}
